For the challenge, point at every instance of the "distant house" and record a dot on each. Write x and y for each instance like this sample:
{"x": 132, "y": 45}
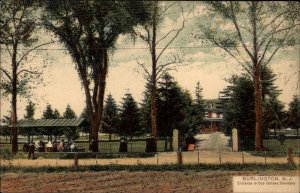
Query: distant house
{"x": 213, "y": 115}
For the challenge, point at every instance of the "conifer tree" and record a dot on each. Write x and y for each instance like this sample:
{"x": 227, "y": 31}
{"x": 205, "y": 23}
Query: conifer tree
{"x": 70, "y": 133}
{"x": 110, "y": 120}
{"x": 129, "y": 117}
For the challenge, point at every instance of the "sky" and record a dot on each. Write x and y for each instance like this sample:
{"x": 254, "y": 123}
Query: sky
{"x": 208, "y": 64}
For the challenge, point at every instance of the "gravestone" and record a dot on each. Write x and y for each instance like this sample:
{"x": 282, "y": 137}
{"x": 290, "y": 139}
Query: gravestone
{"x": 235, "y": 146}
{"x": 175, "y": 142}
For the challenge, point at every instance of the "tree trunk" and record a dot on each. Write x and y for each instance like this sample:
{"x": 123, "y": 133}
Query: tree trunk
{"x": 257, "y": 84}
{"x": 151, "y": 146}
{"x": 14, "y": 100}
{"x": 96, "y": 116}
{"x": 109, "y": 137}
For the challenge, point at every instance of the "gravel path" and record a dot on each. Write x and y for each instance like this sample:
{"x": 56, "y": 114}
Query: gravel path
{"x": 213, "y": 142}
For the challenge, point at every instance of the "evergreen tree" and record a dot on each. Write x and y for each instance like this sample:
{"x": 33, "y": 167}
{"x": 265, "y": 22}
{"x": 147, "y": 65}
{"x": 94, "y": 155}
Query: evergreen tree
{"x": 130, "y": 117}
{"x": 30, "y": 110}
{"x": 197, "y": 111}
{"x": 48, "y": 114}
{"x": 273, "y": 115}
{"x": 110, "y": 120}
{"x": 238, "y": 110}
{"x": 173, "y": 107}
{"x": 6, "y": 131}
{"x": 293, "y": 119}
{"x": 57, "y": 132}
{"x": 70, "y": 133}
{"x": 268, "y": 78}
{"x": 146, "y": 109}
{"x": 85, "y": 129}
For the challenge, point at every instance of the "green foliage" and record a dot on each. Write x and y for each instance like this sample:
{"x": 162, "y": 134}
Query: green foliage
{"x": 130, "y": 119}
{"x": 5, "y": 131}
{"x": 110, "y": 120}
{"x": 239, "y": 106}
{"x": 84, "y": 114}
{"x": 268, "y": 78}
{"x": 30, "y": 110}
{"x": 6, "y": 154}
{"x": 273, "y": 114}
{"x": 146, "y": 109}
{"x": 196, "y": 112}
{"x": 18, "y": 30}
{"x": 238, "y": 110}
{"x": 251, "y": 33}
{"x": 173, "y": 106}
{"x": 89, "y": 30}
{"x": 293, "y": 117}
{"x": 71, "y": 133}
{"x": 51, "y": 131}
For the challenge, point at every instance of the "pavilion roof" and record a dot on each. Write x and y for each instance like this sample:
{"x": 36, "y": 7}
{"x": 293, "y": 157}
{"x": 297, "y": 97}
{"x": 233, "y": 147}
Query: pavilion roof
{"x": 76, "y": 122}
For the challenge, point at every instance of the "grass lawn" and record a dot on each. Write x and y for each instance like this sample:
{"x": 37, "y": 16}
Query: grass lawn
{"x": 275, "y": 145}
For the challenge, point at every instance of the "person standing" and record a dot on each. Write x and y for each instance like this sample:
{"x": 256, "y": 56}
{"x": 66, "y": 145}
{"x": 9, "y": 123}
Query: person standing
{"x": 31, "y": 150}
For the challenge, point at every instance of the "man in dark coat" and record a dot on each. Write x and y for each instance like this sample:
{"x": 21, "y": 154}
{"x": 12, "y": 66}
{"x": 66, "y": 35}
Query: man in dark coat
{"x": 31, "y": 150}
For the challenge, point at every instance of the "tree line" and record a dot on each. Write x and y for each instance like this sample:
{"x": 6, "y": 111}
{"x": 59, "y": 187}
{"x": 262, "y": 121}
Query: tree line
{"x": 238, "y": 107}
{"x": 176, "y": 110}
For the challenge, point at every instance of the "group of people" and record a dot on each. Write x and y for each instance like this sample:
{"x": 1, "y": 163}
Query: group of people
{"x": 48, "y": 147}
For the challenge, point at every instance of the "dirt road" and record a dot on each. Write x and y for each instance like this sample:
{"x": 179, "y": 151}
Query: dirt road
{"x": 148, "y": 182}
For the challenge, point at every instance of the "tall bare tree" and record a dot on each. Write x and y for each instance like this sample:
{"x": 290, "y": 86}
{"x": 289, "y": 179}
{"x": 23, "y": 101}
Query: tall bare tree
{"x": 158, "y": 43}
{"x": 251, "y": 32}
{"x": 18, "y": 35}
{"x": 89, "y": 30}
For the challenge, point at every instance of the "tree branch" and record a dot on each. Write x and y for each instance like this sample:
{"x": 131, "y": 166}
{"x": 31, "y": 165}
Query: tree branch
{"x": 175, "y": 36}
{"x": 274, "y": 32}
{"x": 26, "y": 54}
{"x": 145, "y": 69}
{"x": 161, "y": 67}
{"x": 232, "y": 55}
{"x": 166, "y": 8}
{"x": 7, "y": 74}
{"x": 279, "y": 46}
{"x": 7, "y": 48}
{"x": 238, "y": 31}
{"x": 263, "y": 56}
{"x": 29, "y": 71}
{"x": 278, "y": 16}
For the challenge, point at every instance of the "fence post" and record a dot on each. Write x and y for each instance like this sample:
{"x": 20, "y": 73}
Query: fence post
{"x": 131, "y": 147}
{"x": 220, "y": 158}
{"x": 243, "y": 159}
{"x": 157, "y": 158}
{"x": 265, "y": 157}
{"x": 179, "y": 157}
{"x": 290, "y": 155}
{"x": 76, "y": 160}
{"x": 166, "y": 144}
{"x": 198, "y": 158}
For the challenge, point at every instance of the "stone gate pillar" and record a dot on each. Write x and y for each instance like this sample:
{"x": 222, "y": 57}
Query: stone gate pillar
{"x": 235, "y": 144}
{"x": 175, "y": 142}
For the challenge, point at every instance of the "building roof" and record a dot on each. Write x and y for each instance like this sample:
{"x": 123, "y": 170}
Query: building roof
{"x": 76, "y": 122}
